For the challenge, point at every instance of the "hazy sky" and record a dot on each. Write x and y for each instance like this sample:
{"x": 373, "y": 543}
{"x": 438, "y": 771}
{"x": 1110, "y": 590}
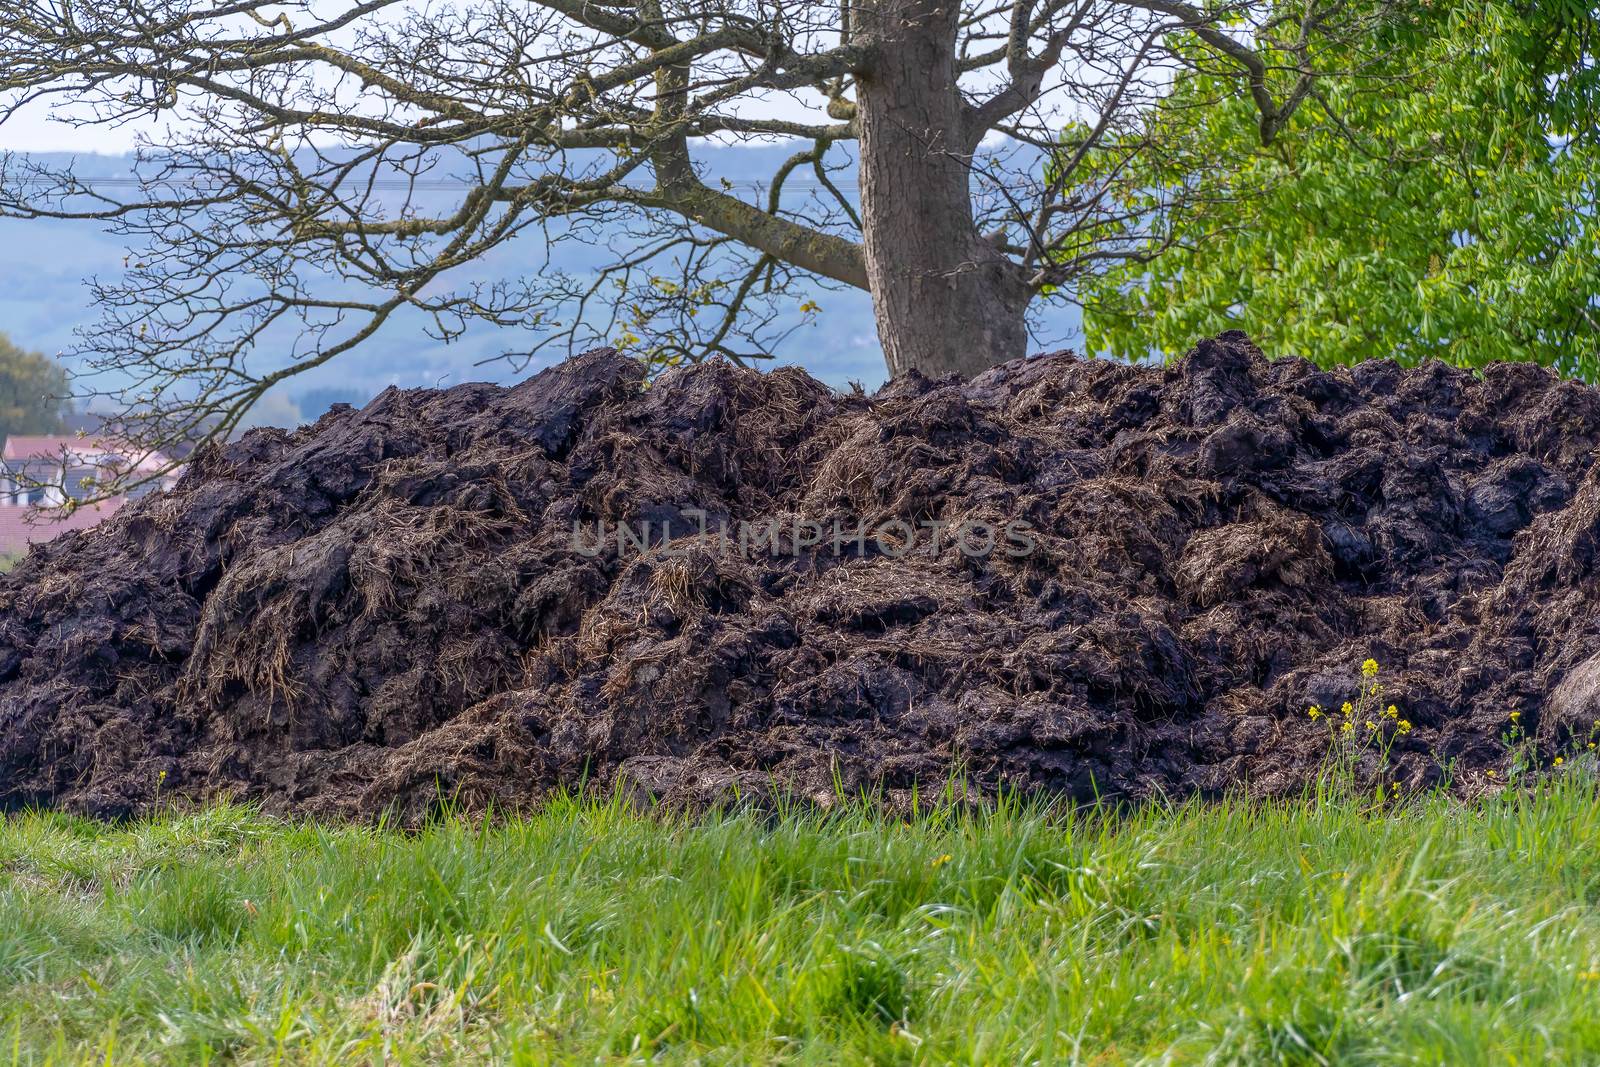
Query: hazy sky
{"x": 31, "y": 130}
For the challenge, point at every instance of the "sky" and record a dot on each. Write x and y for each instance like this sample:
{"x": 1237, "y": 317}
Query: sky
{"x": 32, "y": 130}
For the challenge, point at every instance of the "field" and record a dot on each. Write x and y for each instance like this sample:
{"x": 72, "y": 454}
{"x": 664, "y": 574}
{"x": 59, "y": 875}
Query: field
{"x": 1328, "y": 930}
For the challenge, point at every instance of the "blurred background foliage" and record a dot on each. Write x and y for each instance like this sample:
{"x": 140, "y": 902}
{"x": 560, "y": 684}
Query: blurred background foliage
{"x": 33, "y": 392}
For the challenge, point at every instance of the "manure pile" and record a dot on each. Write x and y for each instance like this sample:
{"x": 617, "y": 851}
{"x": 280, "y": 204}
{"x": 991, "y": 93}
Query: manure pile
{"x": 391, "y": 606}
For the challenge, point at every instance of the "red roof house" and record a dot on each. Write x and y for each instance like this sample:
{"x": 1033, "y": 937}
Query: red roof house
{"x": 24, "y": 526}
{"x": 40, "y": 472}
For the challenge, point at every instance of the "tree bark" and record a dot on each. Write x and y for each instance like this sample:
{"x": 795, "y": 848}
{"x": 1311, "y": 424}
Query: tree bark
{"x": 946, "y": 301}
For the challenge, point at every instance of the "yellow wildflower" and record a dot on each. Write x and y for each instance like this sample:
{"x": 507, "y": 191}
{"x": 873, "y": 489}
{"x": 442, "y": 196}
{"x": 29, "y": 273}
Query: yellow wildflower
{"x": 1515, "y": 715}
{"x": 1371, "y": 725}
{"x": 1403, "y": 726}
{"x": 1314, "y": 711}
{"x": 1559, "y": 761}
{"x": 1392, "y": 711}
{"x": 1347, "y": 709}
{"x": 1347, "y": 727}
{"x": 1370, "y": 668}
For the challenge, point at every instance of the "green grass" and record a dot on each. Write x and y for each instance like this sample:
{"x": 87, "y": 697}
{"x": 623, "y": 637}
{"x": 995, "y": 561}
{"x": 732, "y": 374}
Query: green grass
{"x": 1319, "y": 931}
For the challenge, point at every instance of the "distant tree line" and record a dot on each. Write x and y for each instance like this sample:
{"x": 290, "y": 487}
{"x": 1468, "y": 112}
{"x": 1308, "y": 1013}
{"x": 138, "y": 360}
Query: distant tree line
{"x": 34, "y": 392}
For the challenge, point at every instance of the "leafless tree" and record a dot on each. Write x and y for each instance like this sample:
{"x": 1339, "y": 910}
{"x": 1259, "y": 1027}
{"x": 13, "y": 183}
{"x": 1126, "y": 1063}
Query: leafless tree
{"x": 308, "y": 138}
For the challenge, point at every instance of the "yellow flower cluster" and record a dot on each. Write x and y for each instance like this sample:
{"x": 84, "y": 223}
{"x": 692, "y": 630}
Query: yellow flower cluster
{"x": 1367, "y": 709}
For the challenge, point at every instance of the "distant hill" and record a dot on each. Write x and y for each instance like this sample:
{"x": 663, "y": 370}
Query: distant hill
{"x": 43, "y": 265}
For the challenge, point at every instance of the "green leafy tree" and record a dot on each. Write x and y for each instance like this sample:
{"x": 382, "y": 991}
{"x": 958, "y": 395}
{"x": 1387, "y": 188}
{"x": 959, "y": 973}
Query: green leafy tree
{"x": 1436, "y": 199}
{"x": 33, "y": 391}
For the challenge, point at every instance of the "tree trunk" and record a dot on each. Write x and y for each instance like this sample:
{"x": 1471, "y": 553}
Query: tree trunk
{"x": 945, "y": 299}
